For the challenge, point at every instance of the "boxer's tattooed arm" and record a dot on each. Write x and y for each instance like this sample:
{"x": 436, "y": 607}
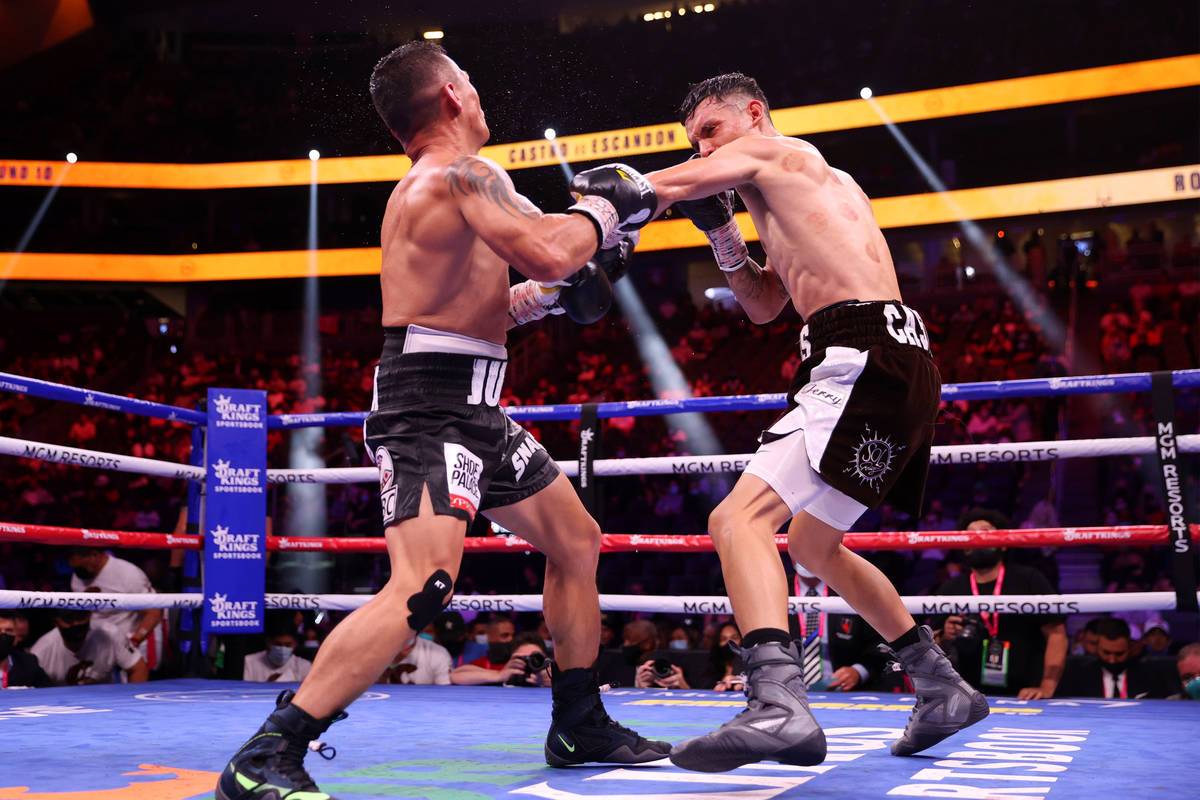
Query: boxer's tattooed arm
{"x": 752, "y": 282}
{"x": 471, "y": 176}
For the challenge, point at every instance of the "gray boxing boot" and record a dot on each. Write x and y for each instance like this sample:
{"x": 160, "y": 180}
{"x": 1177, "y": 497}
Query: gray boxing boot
{"x": 776, "y": 725}
{"x": 945, "y": 702}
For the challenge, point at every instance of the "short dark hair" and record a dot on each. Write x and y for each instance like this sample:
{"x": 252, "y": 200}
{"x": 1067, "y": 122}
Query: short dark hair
{"x": 528, "y": 637}
{"x": 990, "y": 515}
{"x": 720, "y": 87}
{"x": 1113, "y": 628}
{"x": 400, "y": 85}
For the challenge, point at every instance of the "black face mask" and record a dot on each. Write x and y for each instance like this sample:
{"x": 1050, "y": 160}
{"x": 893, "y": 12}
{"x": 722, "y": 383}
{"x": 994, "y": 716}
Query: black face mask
{"x": 632, "y": 653}
{"x": 1116, "y": 668}
{"x": 499, "y": 652}
{"x": 74, "y": 635}
{"x": 82, "y": 573}
{"x": 7, "y": 640}
{"x": 454, "y": 647}
{"x": 982, "y": 558}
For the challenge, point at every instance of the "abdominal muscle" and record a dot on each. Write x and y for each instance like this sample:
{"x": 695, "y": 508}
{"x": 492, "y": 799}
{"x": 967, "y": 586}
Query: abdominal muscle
{"x": 818, "y": 230}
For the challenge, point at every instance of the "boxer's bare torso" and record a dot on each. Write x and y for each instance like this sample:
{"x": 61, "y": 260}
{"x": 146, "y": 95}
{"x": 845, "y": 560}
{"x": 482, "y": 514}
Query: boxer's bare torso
{"x": 815, "y": 223}
{"x": 437, "y": 272}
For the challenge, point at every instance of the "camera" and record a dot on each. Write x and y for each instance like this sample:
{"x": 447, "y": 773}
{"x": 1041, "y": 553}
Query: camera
{"x": 662, "y": 668}
{"x": 972, "y": 627}
{"x": 534, "y": 663}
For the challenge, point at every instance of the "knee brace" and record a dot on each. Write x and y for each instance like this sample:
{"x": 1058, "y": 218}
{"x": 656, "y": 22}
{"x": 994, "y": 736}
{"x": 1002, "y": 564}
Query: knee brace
{"x": 429, "y": 602}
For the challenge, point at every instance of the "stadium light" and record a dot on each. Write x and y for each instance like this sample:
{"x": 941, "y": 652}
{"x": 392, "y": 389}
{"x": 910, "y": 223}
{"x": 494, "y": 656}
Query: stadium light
{"x": 551, "y": 133}
{"x": 314, "y": 155}
{"x": 434, "y": 34}
{"x": 865, "y": 93}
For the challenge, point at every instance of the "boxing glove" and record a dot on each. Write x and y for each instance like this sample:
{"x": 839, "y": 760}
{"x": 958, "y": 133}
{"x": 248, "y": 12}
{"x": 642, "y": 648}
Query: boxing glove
{"x": 616, "y": 198}
{"x": 615, "y": 260}
{"x": 588, "y": 294}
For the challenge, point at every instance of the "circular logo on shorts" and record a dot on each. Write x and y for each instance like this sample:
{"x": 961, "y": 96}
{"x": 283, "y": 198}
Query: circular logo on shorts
{"x": 873, "y": 457}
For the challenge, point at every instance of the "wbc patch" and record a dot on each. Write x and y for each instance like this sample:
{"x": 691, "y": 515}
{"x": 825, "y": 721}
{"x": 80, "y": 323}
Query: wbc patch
{"x": 388, "y": 492}
{"x": 463, "y": 469}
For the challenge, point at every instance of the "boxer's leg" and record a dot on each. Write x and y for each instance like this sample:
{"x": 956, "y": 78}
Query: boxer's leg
{"x": 555, "y": 521}
{"x": 425, "y": 552}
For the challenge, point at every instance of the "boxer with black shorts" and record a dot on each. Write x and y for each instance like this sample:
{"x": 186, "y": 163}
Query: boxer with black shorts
{"x": 445, "y": 449}
{"x": 857, "y": 430}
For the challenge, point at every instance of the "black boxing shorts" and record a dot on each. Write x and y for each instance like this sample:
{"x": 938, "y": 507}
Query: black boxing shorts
{"x": 435, "y": 423}
{"x": 861, "y": 410}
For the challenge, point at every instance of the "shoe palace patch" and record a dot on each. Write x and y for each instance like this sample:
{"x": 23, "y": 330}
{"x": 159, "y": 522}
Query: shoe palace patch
{"x": 873, "y": 457}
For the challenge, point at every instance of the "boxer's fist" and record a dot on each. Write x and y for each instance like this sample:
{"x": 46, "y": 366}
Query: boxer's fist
{"x": 532, "y": 300}
{"x": 708, "y": 213}
{"x": 618, "y": 199}
{"x": 588, "y": 294}
{"x": 615, "y": 260}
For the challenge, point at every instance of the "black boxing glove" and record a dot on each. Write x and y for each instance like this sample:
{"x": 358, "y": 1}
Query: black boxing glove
{"x": 616, "y": 198}
{"x": 615, "y": 260}
{"x": 588, "y": 294}
{"x": 714, "y": 216}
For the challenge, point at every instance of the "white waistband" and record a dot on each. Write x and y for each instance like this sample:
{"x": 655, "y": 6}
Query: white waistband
{"x": 429, "y": 340}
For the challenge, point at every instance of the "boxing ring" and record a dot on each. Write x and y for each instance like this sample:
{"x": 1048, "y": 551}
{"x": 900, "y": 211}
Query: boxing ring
{"x": 167, "y": 740}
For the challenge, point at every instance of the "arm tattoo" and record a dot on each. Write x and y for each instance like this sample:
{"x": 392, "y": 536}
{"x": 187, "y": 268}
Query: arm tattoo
{"x": 468, "y": 175}
{"x": 751, "y": 283}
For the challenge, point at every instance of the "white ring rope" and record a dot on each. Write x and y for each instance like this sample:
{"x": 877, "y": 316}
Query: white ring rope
{"x": 1005, "y": 453}
{"x": 919, "y": 605}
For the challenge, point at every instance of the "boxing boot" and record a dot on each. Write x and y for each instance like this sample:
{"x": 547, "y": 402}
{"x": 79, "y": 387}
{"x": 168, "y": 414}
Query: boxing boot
{"x": 945, "y": 702}
{"x": 776, "y": 724}
{"x": 271, "y": 765}
{"x": 581, "y": 730}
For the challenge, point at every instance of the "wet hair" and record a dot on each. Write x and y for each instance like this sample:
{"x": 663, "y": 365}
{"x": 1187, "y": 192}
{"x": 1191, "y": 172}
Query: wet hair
{"x": 721, "y": 87}
{"x": 403, "y": 86}
{"x": 1113, "y": 628}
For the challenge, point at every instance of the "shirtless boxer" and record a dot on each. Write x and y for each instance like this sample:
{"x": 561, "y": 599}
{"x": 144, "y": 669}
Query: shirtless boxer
{"x": 444, "y": 448}
{"x": 858, "y": 428}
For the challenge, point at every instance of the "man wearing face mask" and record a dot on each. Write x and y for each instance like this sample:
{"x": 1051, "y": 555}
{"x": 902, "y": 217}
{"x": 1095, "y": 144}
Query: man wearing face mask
{"x": 420, "y": 662}
{"x": 1188, "y": 664}
{"x": 98, "y": 571}
{"x": 17, "y": 668}
{"x": 78, "y": 651}
{"x": 1115, "y": 673}
{"x": 1003, "y": 654}
{"x": 500, "y": 632}
{"x": 277, "y": 662}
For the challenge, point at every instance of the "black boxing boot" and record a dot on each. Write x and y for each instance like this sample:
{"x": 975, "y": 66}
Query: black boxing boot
{"x": 271, "y": 765}
{"x": 776, "y": 724}
{"x": 581, "y": 730}
{"x": 945, "y": 702}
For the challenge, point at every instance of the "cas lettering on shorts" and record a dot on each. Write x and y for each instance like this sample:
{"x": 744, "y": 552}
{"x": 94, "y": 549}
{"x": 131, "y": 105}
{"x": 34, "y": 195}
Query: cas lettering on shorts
{"x": 905, "y": 325}
{"x": 231, "y": 414}
{"x": 388, "y": 491}
{"x": 463, "y": 469}
{"x": 234, "y": 545}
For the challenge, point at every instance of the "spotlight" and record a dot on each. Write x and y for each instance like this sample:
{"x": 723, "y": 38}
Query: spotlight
{"x": 434, "y": 34}
{"x": 648, "y": 16}
{"x": 162, "y": 326}
{"x": 314, "y": 155}
{"x": 174, "y": 349}
{"x": 709, "y": 7}
{"x": 969, "y": 271}
{"x": 551, "y": 133}
{"x": 72, "y": 158}
{"x": 865, "y": 93}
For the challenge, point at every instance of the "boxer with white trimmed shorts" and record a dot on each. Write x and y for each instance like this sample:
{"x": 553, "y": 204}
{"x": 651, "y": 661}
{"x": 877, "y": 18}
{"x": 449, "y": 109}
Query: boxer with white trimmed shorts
{"x": 857, "y": 431}
{"x": 445, "y": 449}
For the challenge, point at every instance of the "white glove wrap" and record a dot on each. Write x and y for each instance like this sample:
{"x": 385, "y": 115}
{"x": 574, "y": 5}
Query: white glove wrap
{"x": 603, "y": 215}
{"x": 728, "y": 246}
{"x": 532, "y": 300}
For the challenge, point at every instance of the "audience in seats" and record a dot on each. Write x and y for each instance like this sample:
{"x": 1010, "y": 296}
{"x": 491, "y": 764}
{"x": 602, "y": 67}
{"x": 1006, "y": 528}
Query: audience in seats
{"x": 278, "y": 661}
{"x": 78, "y": 651}
{"x": 1002, "y": 653}
{"x": 1188, "y": 666}
{"x": 1115, "y": 672}
{"x": 421, "y": 661}
{"x": 18, "y": 669}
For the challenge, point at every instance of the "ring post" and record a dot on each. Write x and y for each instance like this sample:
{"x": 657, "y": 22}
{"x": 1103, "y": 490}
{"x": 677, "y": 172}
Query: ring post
{"x": 235, "y": 511}
{"x": 589, "y": 444}
{"x": 1173, "y": 473}
{"x": 191, "y": 644}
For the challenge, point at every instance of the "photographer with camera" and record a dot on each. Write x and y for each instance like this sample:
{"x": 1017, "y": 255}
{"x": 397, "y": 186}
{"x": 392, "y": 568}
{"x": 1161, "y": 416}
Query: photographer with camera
{"x": 524, "y": 664}
{"x": 1003, "y": 654}
{"x": 659, "y": 673}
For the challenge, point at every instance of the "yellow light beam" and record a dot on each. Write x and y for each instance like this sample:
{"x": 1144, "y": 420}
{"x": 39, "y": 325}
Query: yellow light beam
{"x": 976, "y": 98}
{"x": 1013, "y": 200}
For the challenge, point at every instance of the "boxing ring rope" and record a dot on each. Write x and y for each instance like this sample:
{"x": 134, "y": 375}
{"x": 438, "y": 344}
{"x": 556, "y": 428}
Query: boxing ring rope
{"x": 1007, "y": 452}
{"x": 973, "y": 453}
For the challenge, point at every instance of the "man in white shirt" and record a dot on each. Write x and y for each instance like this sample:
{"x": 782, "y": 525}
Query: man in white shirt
{"x": 277, "y": 662}
{"x": 78, "y": 651}
{"x": 98, "y": 571}
{"x": 424, "y": 662}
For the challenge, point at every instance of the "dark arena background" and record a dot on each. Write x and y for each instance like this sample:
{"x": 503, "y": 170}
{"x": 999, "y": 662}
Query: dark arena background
{"x": 191, "y": 195}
